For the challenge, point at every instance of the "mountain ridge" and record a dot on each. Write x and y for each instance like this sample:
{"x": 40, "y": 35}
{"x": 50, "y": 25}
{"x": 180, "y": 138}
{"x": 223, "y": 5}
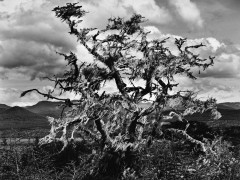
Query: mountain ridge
{"x": 46, "y": 108}
{"x": 35, "y": 115}
{"x": 19, "y": 117}
{"x": 229, "y": 105}
{"x": 4, "y": 106}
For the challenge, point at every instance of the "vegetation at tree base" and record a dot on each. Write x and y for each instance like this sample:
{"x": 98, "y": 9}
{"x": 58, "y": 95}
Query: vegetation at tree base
{"x": 165, "y": 159}
{"x": 119, "y": 140}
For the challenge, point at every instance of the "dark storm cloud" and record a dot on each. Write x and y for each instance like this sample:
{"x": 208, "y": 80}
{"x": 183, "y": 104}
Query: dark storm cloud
{"x": 29, "y": 40}
{"x": 186, "y": 14}
{"x": 35, "y": 58}
{"x": 229, "y": 3}
{"x": 226, "y": 62}
{"x": 29, "y": 37}
{"x": 218, "y": 11}
{"x": 43, "y": 33}
{"x": 221, "y": 18}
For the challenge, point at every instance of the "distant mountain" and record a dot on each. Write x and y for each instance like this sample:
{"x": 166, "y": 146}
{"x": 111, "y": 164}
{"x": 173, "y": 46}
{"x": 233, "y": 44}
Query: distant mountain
{"x": 230, "y": 111}
{"x": 230, "y": 114}
{"x": 229, "y": 105}
{"x": 4, "y": 106}
{"x": 2, "y": 110}
{"x": 18, "y": 111}
{"x": 18, "y": 117}
{"x": 35, "y": 116}
{"x": 225, "y": 105}
{"x": 47, "y": 108}
{"x": 227, "y": 115}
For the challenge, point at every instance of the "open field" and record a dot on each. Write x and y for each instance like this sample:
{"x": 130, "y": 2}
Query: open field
{"x": 170, "y": 156}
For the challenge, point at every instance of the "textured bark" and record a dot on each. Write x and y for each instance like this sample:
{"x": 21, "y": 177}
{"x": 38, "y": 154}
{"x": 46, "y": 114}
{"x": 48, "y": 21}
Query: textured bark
{"x": 191, "y": 139}
{"x": 102, "y": 132}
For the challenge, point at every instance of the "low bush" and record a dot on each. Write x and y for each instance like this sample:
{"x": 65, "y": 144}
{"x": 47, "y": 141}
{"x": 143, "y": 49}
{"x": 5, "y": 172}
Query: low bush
{"x": 164, "y": 159}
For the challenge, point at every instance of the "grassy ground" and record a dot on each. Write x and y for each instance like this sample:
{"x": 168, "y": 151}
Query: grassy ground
{"x": 169, "y": 157}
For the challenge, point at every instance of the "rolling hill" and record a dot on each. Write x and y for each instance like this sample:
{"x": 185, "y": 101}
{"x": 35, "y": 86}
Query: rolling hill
{"x": 3, "y": 107}
{"x": 46, "y": 108}
{"x": 35, "y": 116}
{"x": 229, "y": 110}
{"x": 227, "y": 115}
{"x": 20, "y": 118}
{"x": 229, "y": 105}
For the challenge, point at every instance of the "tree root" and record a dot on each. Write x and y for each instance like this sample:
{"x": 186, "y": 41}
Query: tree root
{"x": 204, "y": 147}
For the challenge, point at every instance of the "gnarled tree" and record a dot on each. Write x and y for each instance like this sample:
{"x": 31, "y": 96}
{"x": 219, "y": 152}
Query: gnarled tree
{"x": 122, "y": 51}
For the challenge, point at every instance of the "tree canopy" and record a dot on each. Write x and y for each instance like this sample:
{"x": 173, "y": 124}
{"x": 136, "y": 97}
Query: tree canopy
{"x": 123, "y": 54}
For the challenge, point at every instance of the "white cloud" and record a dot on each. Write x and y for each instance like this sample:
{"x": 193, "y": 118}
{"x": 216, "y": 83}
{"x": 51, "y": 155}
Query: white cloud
{"x": 211, "y": 87}
{"x": 226, "y": 65}
{"x": 101, "y": 10}
{"x": 227, "y": 57}
{"x": 214, "y": 43}
{"x": 149, "y": 10}
{"x": 29, "y": 39}
{"x": 188, "y": 11}
{"x": 152, "y": 30}
{"x": 31, "y": 34}
{"x": 11, "y": 97}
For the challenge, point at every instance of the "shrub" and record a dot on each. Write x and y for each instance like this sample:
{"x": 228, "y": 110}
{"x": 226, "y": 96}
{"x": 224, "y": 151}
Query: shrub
{"x": 116, "y": 122}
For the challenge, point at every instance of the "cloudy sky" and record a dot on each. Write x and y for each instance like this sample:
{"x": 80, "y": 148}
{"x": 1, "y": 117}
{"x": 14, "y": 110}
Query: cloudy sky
{"x": 30, "y": 35}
